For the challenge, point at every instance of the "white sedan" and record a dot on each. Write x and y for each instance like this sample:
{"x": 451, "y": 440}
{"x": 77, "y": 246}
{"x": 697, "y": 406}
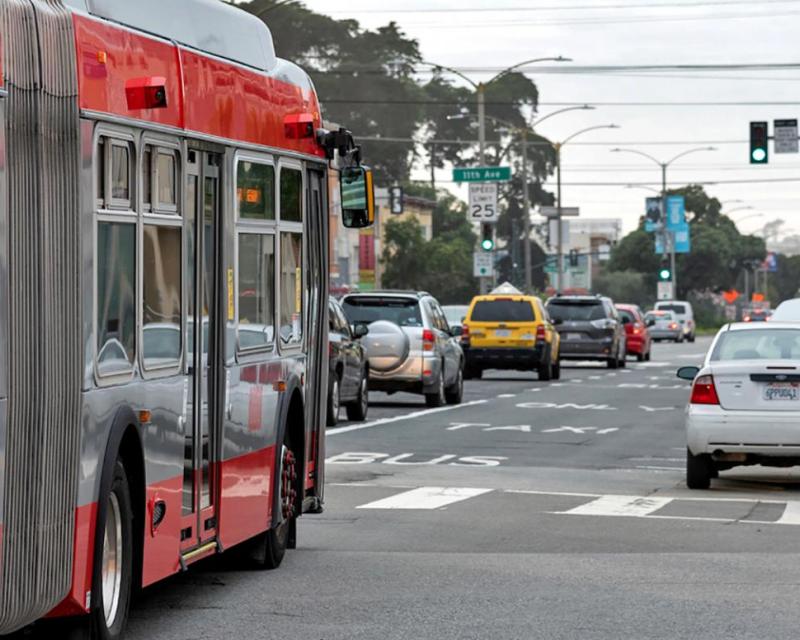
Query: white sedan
{"x": 745, "y": 402}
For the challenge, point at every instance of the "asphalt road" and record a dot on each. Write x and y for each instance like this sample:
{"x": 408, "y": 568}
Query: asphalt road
{"x": 533, "y": 510}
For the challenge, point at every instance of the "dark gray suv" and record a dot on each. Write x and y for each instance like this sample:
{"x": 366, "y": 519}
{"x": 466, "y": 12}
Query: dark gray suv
{"x": 590, "y": 329}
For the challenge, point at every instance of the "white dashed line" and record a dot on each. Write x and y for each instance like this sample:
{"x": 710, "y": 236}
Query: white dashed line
{"x": 425, "y": 498}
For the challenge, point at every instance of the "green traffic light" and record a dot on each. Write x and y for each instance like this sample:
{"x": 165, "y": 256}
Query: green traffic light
{"x": 759, "y": 154}
{"x": 664, "y": 274}
{"x": 487, "y": 244}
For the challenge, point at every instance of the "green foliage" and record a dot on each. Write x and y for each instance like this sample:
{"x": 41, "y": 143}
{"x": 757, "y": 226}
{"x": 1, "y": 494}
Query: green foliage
{"x": 719, "y": 252}
{"x": 443, "y": 265}
{"x": 628, "y": 287}
{"x": 786, "y": 282}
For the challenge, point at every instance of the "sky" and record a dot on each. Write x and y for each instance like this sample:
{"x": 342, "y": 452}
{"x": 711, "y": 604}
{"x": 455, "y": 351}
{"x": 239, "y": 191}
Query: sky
{"x": 495, "y": 34}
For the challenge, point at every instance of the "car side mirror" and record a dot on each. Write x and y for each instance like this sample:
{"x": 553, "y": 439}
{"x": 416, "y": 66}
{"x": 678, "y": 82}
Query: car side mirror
{"x": 360, "y": 330}
{"x": 456, "y": 330}
{"x": 688, "y": 373}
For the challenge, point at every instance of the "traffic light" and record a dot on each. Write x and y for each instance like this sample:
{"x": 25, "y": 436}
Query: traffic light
{"x": 487, "y": 237}
{"x": 664, "y": 274}
{"x": 759, "y": 143}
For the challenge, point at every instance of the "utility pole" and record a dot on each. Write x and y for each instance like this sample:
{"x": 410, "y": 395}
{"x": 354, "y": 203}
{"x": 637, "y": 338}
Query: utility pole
{"x": 670, "y": 232}
{"x": 526, "y": 217}
{"x": 559, "y": 229}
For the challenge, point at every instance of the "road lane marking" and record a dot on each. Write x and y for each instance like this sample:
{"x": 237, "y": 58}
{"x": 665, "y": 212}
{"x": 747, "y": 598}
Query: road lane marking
{"x": 791, "y": 514}
{"x": 570, "y": 405}
{"x": 507, "y": 395}
{"x": 647, "y": 467}
{"x": 627, "y": 506}
{"x": 655, "y": 409}
{"x": 407, "y": 416}
{"x": 425, "y": 498}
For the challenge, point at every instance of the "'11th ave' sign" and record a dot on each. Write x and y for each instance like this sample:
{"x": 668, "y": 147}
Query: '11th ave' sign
{"x": 482, "y": 174}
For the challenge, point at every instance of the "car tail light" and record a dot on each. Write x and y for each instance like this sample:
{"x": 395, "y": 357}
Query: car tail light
{"x": 674, "y": 325}
{"x": 540, "y": 333}
{"x": 637, "y": 329}
{"x": 465, "y": 334}
{"x": 704, "y": 391}
{"x": 330, "y": 349}
{"x": 428, "y": 339}
{"x": 746, "y": 318}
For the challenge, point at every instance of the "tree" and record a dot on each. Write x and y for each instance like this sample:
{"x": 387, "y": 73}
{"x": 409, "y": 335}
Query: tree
{"x": 625, "y": 286}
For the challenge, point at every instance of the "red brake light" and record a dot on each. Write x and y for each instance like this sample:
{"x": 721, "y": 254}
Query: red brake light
{"x": 674, "y": 325}
{"x": 704, "y": 391}
{"x": 540, "y": 333}
{"x": 427, "y": 340}
{"x": 465, "y": 333}
{"x": 746, "y": 318}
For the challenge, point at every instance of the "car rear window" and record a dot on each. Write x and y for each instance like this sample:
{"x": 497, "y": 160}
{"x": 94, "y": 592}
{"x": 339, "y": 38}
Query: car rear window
{"x": 502, "y": 311}
{"x": 576, "y": 311}
{"x": 660, "y": 315}
{"x": 404, "y": 312}
{"x": 759, "y": 344}
{"x": 626, "y": 315}
{"x": 676, "y": 308}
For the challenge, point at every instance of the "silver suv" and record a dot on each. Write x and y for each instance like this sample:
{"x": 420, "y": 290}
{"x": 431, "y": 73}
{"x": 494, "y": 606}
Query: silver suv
{"x": 410, "y": 345}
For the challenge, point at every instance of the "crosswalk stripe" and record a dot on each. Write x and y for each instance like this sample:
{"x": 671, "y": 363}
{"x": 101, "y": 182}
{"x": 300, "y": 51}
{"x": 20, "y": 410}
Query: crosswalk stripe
{"x": 631, "y": 506}
{"x": 791, "y": 514}
{"x": 425, "y": 498}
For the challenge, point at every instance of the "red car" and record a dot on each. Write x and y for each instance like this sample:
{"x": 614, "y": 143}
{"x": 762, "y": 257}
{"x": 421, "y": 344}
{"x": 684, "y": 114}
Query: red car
{"x": 638, "y": 336}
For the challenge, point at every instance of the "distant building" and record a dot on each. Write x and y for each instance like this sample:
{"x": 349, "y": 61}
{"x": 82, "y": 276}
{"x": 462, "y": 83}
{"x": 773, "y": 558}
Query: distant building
{"x": 589, "y": 242}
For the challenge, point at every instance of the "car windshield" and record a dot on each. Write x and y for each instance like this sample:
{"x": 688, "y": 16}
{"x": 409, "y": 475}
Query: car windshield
{"x": 455, "y": 314}
{"x": 576, "y": 311}
{"x": 404, "y": 312}
{"x": 677, "y": 308}
{"x": 502, "y": 311}
{"x": 758, "y": 344}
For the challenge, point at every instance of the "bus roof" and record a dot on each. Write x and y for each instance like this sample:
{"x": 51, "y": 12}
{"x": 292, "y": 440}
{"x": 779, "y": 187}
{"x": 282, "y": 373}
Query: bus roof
{"x": 210, "y": 26}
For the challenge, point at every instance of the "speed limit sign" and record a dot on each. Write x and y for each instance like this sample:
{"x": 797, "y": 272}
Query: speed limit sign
{"x": 483, "y": 202}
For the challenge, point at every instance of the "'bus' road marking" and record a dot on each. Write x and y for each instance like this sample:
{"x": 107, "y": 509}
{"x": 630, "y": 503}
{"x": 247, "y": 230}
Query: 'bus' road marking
{"x": 425, "y": 498}
{"x": 630, "y": 506}
{"x": 407, "y": 416}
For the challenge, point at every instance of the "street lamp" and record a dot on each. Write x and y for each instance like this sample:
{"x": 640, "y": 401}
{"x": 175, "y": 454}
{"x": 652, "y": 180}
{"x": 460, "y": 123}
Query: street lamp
{"x": 559, "y": 231}
{"x": 642, "y": 186}
{"x": 664, "y": 166}
{"x": 735, "y": 209}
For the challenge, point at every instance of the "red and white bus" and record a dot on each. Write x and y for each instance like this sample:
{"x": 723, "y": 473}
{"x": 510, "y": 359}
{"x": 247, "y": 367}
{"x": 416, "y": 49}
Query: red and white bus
{"x": 163, "y": 298}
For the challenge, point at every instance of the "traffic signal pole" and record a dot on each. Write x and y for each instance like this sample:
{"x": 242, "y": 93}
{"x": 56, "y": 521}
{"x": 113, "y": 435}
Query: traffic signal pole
{"x": 670, "y": 233}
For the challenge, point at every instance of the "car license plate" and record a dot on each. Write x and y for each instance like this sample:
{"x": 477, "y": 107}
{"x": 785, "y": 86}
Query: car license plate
{"x": 782, "y": 391}
{"x": 502, "y": 333}
{"x": 573, "y": 336}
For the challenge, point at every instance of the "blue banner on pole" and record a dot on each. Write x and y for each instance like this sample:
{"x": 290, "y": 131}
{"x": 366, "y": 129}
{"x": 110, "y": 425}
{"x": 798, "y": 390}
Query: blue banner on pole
{"x": 683, "y": 240}
{"x": 676, "y": 212}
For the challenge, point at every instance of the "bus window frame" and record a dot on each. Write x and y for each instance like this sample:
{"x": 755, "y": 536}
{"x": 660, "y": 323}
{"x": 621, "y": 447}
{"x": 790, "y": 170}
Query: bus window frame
{"x": 106, "y": 210}
{"x": 292, "y": 227}
{"x": 155, "y": 216}
{"x": 256, "y": 227}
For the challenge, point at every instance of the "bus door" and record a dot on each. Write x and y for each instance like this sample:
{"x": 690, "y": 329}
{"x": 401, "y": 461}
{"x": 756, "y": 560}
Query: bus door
{"x": 317, "y": 374}
{"x": 204, "y": 350}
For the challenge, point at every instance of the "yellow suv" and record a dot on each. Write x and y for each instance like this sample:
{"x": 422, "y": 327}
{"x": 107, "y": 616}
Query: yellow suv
{"x": 509, "y": 330}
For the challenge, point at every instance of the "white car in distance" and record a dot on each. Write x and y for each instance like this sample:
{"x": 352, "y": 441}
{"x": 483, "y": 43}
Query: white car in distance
{"x": 745, "y": 402}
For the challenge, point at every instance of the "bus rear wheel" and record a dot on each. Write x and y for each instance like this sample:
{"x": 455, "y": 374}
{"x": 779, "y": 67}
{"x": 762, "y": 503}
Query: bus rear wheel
{"x": 267, "y": 550}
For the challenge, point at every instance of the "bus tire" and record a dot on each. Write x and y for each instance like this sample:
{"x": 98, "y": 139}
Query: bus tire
{"x": 267, "y": 549}
{"x": 112, "y": 582}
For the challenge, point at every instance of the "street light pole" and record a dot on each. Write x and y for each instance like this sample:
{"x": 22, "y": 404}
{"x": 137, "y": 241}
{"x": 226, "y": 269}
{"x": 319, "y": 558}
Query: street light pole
{"x": 559, "y": 231}
{"x": 671, "y": 234}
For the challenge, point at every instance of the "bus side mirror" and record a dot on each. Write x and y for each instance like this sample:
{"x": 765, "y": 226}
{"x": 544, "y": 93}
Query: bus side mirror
{"x": 358, "y": 197}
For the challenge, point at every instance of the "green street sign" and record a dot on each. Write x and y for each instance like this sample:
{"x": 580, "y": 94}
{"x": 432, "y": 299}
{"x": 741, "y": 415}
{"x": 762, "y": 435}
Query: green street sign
{"x": 482, "y": 174}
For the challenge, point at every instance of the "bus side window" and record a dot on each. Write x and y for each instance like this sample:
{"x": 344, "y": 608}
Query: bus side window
{"x": 256, "y": 290}
{"x": 116, "y": 297}
{"x": 291, "y": 301}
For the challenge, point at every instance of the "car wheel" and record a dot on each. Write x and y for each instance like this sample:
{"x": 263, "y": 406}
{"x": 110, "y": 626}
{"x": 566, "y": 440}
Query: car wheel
{"x": 455, "y": 393}
{"x": 557, "y": 369}
{"x": 691, "y": 338}
{"x": 545, "y": 369}
{"x": 647, "y": 356}
{"x": 623, "y": 361}
{"x": 698, "y": 470}
{"x": 357, "y": 411}
{"x": 333, "y": 402}
{"x": 612, "y": 363}
{"x": 640, "y": 357}
{"x": 437, "y": 398}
